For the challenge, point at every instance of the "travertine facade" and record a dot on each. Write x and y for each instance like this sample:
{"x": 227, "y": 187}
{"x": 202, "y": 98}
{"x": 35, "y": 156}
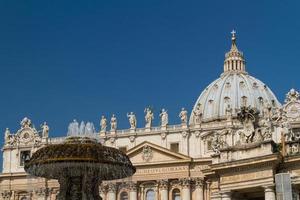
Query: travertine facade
{"x": 239, "y": 143}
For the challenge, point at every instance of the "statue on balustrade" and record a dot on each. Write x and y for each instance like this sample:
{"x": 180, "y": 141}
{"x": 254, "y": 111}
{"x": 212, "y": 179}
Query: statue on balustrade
{"x": 164, "y": 118}
{"x": 148, "y": 117}
{"x": 45, "y": 130}
{"x": 113, "y": 123}
{"x": 183, "y": 116}
{"x": 103, "y": 123}
{"x": 132, "y": 120}
{"x": 197, "y": 114}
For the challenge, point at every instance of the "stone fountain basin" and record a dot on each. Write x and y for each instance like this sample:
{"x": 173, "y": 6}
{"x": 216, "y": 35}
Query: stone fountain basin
{"x": 79, "y": 156}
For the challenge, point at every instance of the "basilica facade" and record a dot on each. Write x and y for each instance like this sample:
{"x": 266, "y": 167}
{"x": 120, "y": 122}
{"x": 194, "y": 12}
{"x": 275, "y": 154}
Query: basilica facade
{"x": 238, "y": 142}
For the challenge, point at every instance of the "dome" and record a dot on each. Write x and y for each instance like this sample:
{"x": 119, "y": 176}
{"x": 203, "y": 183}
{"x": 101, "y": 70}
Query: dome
{"x": 234, "y": 89}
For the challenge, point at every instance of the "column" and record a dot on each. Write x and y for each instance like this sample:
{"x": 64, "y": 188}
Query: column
{"x": 186, "y": 189}
{"x": 199, "y": 189}
{"x": 226, "y": 195}
{"x": 269, "y": 193}
{"x": 132, "y": 191}
{"x": 164, "y": 192}
{"x": 142, "y": 189}
{"x": 111, "y": 191}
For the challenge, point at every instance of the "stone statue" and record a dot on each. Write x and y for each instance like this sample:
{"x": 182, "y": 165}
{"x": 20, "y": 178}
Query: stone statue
{"x": 148, "y": 117}
{"x": 197, "y": 114}
{"x": 132, "y": 120}
{"x": 45, "y": 130}
{"x": 113, "y": 123}
{"x": 25, "y": 123}
{"x": 267, "y": 110}
{"x": 248, "y": 130}
{"x": 164, "y": 118}
{"x": 216, "y": 143}
{"x": 228, "y": 112}
{"x": 286, "y": 129}
{"x": 7, "y": 136}
{"x": 183, "y": 116}
{"x": 103, "y": 123}
{"x": 248, "y": 117}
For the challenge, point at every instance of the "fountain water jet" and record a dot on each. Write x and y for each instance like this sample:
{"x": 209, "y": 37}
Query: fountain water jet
{"x": 80, "y": 163}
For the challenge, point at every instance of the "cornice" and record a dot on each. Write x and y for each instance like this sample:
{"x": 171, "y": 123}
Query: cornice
{"x": 248, "y": 163}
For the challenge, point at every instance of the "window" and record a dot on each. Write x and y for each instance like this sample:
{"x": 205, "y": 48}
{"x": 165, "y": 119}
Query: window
{"x": 123, "y": 149}
{"x": 174, "y": 147}
{"x": 24, "y": 156}
{"x": 150, "y": 194}
{"x": 176, "y": 194}
{"x": 124, "y": 196}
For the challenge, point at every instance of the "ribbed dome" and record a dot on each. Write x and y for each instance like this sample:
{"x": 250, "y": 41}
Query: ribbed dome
{"x": 235, "y": 88}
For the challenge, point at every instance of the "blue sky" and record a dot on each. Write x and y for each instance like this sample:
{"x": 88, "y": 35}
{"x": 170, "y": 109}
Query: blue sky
{"x": 61, "y": 60}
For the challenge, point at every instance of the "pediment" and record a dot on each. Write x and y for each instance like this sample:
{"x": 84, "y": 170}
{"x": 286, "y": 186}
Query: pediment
{"x": 149, "y": 153}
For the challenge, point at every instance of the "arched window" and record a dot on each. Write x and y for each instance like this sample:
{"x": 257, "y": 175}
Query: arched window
{"x": 124, "y": 196}
{"x": 150, "y": 194}
{"x": 24, "y": 198}
{"x": 176, "y": 194}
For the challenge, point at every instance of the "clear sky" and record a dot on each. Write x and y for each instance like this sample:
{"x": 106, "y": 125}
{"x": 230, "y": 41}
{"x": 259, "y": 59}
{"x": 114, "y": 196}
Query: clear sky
{"x": 61, "y": 60}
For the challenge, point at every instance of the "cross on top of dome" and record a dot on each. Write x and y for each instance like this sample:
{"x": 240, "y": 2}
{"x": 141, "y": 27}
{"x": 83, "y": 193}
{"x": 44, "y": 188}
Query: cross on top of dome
{"x": 234, "y": 59}
{"x": 233, "y": 38}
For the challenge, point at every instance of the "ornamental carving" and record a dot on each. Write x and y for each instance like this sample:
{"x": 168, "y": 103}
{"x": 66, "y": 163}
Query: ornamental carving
{"x": 185, "y": 134}
{"x": 199, "y": 182}
{"x": 27, "y": 134}
{"x": 249, "y": 118}
{"x": 163, "y": 184}
{"x": 163, "y": 135}
{"x": 132, "y": 186}
{"x": 185, "y": 182}
{"x": 218, "y": 142}
{"x": 147, "y": 153}
{"x": 132, "y": 138}
{"x": 6, "y": 194}
{"x": 42, "y": 191}
{"x": 292, "y": 95}
{"x": 292, "y": 107}
{"x": 111, "y": 187}
{"x": 197, "y": 134}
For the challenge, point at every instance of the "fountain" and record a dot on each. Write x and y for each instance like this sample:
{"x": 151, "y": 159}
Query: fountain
{"x": 80, "y": 163}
